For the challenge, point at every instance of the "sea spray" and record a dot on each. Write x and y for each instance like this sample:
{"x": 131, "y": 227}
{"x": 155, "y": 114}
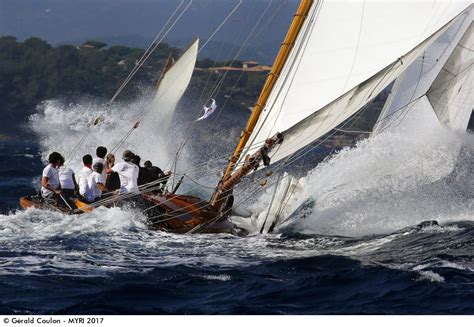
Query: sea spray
{"x": 416, "y": 172}
{"x": 60, "y": 127}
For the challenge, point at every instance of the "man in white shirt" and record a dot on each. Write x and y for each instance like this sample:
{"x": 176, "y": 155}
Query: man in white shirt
{"x": 128, "y": 173}
{"x": 84, "y": 174}
{"x": 67, "y": 180}
{"x": 95, "y": 186}
{"x": 50, "y": 185}
{"x": 101, "y": 152}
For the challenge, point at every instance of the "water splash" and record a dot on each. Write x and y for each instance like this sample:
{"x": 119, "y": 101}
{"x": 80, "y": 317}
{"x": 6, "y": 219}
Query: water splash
{"x": 60, "y": 126}
{"x": 420, "y": 171}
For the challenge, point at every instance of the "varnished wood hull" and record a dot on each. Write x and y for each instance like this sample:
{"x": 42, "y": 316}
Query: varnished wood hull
{"x": 172, "y": 213}
{"x": 184, "y": 213}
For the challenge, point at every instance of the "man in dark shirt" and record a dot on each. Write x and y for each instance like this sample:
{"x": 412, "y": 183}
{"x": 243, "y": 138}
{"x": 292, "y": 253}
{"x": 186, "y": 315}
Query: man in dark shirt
{"x": 150, "y": 173}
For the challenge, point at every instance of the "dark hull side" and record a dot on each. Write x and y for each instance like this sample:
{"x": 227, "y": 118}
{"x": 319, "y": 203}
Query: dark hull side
{"x": 172, "y": 213}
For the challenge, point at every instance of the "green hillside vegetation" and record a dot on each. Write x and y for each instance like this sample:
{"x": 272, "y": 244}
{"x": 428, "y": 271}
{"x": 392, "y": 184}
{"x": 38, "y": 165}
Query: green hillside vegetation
{"x": 33, "y": 71}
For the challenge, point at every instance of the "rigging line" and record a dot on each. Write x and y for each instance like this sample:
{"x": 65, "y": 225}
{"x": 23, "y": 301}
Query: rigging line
{"x": 247, "y": 40}
{"x": 220, "y": 83}
{"x": 259, "y": 189}
{"x": 299, "y": 47}
{"x": 386, "y": 72}
{"x": 139, "y": 62}
{"x": 360, "y": 113}
{"x": 153, "y": 48}
{"x": 357, "y": 47}
{"x": 215, "y": 63}
{"x": 209, "y": 74}
{"x": 349, "y": 131}
{"x": 97, "y": 120}
{"x": 221, "y": 25}
{"x": 243, "y": 47}
{"x": 305, "y": 150}
{"x": 420, "y": 75}
{"x": 205, "y": 224}
{"x": 271, "y": 203}
{"x": 467, "y": 94}
{"x": 429, "y": 91}
{"x": 262, "y": 29}
{"x": 213, "y": 34}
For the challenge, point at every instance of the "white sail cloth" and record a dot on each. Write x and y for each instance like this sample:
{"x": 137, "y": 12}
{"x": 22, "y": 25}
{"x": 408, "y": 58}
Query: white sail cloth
{"x": 345, "y": 54}
{"x": 172, "y": 87}
{"x": 208, "y": 110}
{"x": 452, "y": 93}
{"x": 432, "y": 65}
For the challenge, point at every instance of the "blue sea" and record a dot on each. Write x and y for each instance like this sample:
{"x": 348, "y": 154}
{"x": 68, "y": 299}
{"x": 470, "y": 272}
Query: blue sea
{"x": 108, "y": 262}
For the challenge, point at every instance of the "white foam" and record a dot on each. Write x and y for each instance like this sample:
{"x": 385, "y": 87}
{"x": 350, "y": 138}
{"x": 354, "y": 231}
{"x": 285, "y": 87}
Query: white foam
{"x": 390, "y": 182}
{"x": 431, "y": 276}
{"x": 61, "y": 126}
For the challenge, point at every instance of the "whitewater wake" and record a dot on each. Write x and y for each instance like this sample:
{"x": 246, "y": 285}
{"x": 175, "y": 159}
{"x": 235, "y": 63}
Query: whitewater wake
{"x": 417, "y": 172}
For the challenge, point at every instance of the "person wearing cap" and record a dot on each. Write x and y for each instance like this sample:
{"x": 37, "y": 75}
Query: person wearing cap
{"x": 128, "y": 173}
{"x": 95, "y": 185}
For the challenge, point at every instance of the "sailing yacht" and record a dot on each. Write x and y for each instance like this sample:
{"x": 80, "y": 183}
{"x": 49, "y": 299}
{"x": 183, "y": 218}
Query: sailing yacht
{"x": 336, "y": 58}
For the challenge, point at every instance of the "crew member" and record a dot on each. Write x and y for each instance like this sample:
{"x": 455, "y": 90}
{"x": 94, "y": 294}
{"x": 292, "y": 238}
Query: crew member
{"x": 101, "y": 152}
{"x": 152, "y": 173}
{"x": 113, "y": 180}
{"x": 128, "y": 173}
{"x": 50, "y": 185}
{"x": 67, "y": 180}
{"x": 136, "y": 160}
{"x": 95, "y": 185}
{"x": 84, "y": 174}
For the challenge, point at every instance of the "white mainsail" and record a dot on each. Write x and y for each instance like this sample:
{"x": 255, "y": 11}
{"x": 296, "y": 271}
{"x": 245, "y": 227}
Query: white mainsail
{"x": 173, "y": 85}
{"x": 345, "y": 54}
{"x": 433, "y": 65}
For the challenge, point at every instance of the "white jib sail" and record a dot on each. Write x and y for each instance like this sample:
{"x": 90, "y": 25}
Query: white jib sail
{"x": 346, "y": 53}
{"x": 452, "y": 93}
{"x": 420, "y": 76}
{"x": 172, "y": 86}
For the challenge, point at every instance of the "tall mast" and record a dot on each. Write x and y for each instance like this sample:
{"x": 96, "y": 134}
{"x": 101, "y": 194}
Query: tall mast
{"x": 282, "y": 57}
{"x": 229, "y": 180}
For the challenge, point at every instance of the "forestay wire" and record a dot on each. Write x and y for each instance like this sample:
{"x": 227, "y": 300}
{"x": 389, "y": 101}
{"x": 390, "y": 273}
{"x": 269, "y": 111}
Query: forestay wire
{"x": 145, "y": 113}
{"x": 148, "y": 52}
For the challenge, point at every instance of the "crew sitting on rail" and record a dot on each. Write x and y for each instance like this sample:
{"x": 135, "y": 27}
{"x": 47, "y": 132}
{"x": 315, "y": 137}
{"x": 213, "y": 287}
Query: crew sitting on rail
{"x": 95, "y": 184}
{"x": 67, "y": 180}
{"x": 128, "y": 173}
{"x": 152, "y": 173}
{"x": 100, "y": 157}
{"x": 113, "y": 180}
{"x": 50, "y": 185}
{"x": 84, "y": 174}
{"x": 136, "y": 160}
